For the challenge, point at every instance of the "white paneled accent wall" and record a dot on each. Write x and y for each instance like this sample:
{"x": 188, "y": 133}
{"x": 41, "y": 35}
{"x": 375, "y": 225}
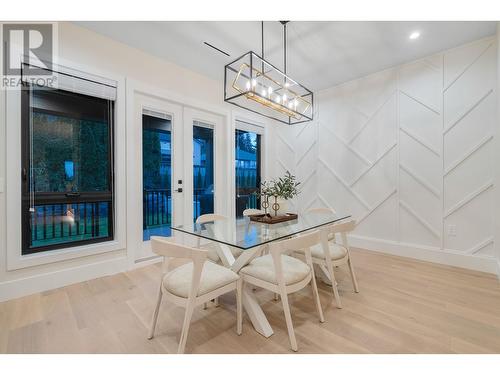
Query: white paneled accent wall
{"x": 409, "y": 153}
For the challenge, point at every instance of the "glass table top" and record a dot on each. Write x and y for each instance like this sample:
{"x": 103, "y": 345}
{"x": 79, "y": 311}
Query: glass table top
{"x": 245, "y": 234}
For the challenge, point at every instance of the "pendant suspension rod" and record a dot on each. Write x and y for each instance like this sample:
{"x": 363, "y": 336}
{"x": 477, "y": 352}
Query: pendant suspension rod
{"x": 262, "y": 43}
{"x": 262, "y": 38}
{"x": 284, "y": 46}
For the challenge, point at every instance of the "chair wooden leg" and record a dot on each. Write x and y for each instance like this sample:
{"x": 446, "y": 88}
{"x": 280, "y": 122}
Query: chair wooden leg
{"x": 155, "y": 314}
{"x": 334, "y": 285}
{"x": 289, "y": 323}
{"x": 185, "y": 327}
{"x": 239, "y": 307}
{"x": 205, "y": 306}
{"x": 317, "y": 301}
{"x": 353, "y": 276}
{"x": 216, "y": 301}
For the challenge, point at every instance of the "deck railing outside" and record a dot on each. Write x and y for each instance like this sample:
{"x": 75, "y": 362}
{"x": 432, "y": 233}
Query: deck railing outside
{"x": 62, "y": 222}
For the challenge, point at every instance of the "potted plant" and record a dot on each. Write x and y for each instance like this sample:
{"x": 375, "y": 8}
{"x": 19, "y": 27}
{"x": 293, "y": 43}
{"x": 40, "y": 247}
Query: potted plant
{"x": 280, "y": 191}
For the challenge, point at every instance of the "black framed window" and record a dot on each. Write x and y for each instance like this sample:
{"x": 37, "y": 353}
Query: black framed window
{"x": 248, "y": 170}
{"x": 67, "y": 169}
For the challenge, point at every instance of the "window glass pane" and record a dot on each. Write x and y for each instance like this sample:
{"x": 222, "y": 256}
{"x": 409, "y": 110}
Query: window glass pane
{"x": 69, "y": 154}
{"x": 203, "y": 171}
{"x": 248, "y": 151}
{"x": 67, "y": 186}
{"x": 156, "y": 176}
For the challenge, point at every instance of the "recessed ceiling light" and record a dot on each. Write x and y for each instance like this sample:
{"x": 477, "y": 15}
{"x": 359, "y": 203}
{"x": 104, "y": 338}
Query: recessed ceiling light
{"x": 415, "y": 35}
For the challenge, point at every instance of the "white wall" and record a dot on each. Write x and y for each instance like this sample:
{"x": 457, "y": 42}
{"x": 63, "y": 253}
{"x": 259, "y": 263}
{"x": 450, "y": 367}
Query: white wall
{"x": 79, "y": 47}
{"x": 496, "y": 207}
{"x": 409, "y": 152}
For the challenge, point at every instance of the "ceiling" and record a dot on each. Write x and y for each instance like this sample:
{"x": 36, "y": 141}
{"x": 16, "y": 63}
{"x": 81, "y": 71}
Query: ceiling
{"x": 320, "y": 54}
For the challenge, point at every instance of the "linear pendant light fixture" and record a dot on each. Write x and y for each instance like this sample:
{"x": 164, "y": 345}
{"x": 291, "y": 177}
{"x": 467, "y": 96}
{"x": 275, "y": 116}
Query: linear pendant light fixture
{"x": 254, "y": 84}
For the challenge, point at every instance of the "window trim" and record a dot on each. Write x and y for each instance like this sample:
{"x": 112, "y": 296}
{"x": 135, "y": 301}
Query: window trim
{"x": 248, "y": 126}
{"x": 85, "y": 197}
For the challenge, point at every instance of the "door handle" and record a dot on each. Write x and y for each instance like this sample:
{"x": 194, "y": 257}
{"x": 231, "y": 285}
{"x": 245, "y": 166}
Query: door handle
{"x": 72, "y": 194}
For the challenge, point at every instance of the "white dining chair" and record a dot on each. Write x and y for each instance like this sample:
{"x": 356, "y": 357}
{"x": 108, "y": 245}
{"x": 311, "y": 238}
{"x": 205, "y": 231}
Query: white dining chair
{"x": 252, "y": 211}
{"x": 284, "y": 274}
{"x": 212, "y": 247}
{"x": 192, "y": 284}
{"x": 335, "y": 254}
{"x": 324, "y": 211}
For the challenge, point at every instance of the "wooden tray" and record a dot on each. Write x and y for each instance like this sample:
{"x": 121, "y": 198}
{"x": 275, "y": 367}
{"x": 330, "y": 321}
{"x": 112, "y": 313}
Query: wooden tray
{"x": 269, "y": 219}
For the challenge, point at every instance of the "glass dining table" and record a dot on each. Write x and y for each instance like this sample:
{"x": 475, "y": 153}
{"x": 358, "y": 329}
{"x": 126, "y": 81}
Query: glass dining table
{"x": 251, "y": 237}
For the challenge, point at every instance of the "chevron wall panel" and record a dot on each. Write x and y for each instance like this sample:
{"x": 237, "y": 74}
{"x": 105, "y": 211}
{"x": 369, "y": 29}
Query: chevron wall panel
{"x": 407, "y": 151}
{"x": 420, "y": 152}
{"x": 469, "y": 97}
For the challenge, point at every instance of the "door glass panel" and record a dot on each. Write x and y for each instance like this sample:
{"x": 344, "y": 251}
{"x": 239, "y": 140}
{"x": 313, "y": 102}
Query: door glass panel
{"x": 248, "y": 170}
{"x": 203, "y": 169}
{"x": 156, "y": 176}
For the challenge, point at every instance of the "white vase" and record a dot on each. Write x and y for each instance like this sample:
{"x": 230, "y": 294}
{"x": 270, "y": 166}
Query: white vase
{"x": 283, "y": 207}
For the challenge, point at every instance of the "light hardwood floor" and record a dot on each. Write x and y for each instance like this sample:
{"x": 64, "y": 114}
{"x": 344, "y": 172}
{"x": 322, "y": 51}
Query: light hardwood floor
{"x": 405, "y": 306}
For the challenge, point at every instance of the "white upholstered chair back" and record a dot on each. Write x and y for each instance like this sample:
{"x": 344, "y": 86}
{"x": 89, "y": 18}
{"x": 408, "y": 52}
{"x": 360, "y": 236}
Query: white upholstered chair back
{"x": 207, "y": 218}
{"x": 252, "y": 211}
{"x": 304, "y": 241}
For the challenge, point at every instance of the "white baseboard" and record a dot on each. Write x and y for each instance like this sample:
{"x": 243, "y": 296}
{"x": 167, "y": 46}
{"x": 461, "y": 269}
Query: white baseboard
{"x": 57, "y": 279}
{"x": 147, "y": 261}
{"x": 430, "y": 254}
{"x": 39, "y": 283}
